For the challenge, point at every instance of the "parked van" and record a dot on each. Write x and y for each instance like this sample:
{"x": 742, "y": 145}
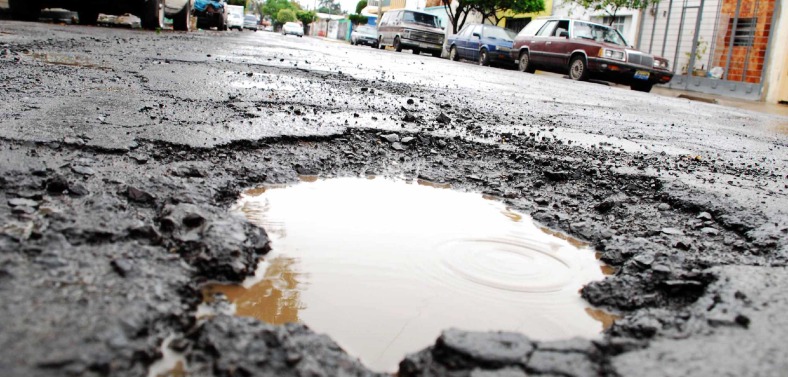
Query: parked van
{"x": 411, "y": 30}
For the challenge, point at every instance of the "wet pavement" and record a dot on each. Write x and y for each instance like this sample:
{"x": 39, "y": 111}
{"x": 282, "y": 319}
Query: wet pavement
{"x": 125, "y": 151}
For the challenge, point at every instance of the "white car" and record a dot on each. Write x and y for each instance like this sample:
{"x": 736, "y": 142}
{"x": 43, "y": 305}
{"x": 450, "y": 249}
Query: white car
{"x": 235, "y": 21}
{"x": 293, "y": 28}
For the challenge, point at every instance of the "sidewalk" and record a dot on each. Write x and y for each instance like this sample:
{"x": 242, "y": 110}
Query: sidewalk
{"x": 758, "y": 106}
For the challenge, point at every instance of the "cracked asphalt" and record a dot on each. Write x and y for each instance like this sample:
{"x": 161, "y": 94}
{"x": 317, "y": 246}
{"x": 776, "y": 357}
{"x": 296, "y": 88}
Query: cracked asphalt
{"x": 123, "y": 150}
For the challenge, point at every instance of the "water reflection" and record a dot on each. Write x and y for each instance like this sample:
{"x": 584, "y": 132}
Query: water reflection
{"x": 383, "y": 266}
{"x": 275, "y": 299}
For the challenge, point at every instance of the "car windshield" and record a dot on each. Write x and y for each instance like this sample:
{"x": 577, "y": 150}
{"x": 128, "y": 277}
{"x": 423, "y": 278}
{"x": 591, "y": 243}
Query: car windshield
{"x": 421, "y": 19}
{"x": 365, "y": 29}
{"x": 598, "y": 33}
{"x": 292, "y": 25}
{"x": 499, "y": 33}
{"x": 250, "y": 18}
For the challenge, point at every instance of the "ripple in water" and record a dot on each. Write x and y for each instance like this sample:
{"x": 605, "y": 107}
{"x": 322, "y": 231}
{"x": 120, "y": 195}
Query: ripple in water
{"x": 383, "y": 266}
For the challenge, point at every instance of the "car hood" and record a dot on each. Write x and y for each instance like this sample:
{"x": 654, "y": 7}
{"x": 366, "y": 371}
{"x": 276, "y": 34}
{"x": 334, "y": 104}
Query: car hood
{"x": 499, "y": 42}
{"x": 363, "y": 34}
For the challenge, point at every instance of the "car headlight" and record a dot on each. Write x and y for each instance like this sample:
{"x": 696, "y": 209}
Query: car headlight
{"x": 612, "y": 54}
{"x": 406, "y": 34}
{"x": 661, "y": 64}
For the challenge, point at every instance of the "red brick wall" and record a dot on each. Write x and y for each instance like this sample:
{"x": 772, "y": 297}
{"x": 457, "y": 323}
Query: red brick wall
{"x": 754, "y": 55}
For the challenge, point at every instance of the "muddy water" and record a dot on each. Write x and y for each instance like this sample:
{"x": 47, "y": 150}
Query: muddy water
{"x": 383, "y": 266}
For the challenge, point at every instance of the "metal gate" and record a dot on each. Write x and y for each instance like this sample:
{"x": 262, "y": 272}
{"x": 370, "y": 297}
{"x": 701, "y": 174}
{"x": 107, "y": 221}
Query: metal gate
{"x": 714, "y": 46}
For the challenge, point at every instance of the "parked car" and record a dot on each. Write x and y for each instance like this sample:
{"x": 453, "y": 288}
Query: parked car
{"x": 364, "y": 35}
{"x": 210, "y": 13}
{"x": 151, "y": 12}
{"x": 410, "y": 29}
{"x": 250, "y": 22}
{"x": 292, "y": 28}
{"x": 235, "y": 21}
{"x": 586, "y": 50}
{"x": 483, "y": 43}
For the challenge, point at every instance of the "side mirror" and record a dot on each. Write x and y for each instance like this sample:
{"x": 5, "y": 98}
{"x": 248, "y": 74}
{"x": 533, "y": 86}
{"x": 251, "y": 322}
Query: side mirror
{"x": 477, "y": 35}
{"x": 563, "y": 34}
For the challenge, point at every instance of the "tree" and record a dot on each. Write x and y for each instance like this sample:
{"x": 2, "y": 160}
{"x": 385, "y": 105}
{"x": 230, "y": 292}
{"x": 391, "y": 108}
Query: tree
{"x": 493, "y": 10}
{"x": 360, "y": 6}
{"x": 458, "y": 14}
{"x": 329, "y": 6}
{"x": 611, "y": 7}
{"x": 357, "y": 19}
{"x": 285, "y": 15}
{"x": 271, "y": 8}
{"x": 305, "y": 16}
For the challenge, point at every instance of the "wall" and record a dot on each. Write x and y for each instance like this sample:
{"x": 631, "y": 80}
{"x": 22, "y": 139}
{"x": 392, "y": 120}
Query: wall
{"x": 548, "y": 10}
{"x": 777, "y": 70}
{"x": 752, "y": 58}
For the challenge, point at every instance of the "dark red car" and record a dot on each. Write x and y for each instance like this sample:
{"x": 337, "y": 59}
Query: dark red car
{"x": 586, "y": 50}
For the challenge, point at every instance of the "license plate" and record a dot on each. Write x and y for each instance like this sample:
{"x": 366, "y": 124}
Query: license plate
{"x": 641, "y": 75}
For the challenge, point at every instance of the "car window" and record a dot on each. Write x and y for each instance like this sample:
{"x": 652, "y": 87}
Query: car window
{"x": 598, "y": 33}
{"x": 250, "y": 18}
{"x": 365, "y": 29}
{"x": 531, "y": 29}
{"x": 498, "y": 33}
{"x": 547, "y": 29}
{"x": 420, "y": 19}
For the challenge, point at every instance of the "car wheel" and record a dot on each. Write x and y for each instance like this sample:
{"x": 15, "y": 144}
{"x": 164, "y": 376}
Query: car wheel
{"x": 453, "y": 55}
{"x": 397, "y": 45}
{"x": 524, "y": 64}
{"x": 153, "y": 14}
{"x": 642, "y": 87}
{"x": 88, "y": 15}
{"x": 25, "y": 10}
{"x": 484, "y": 58}
{"x": 416, "y": 51}
{"x": 436, "y": 54}
{"x": 182, "y": 20}
{"x": 578, "y": 69}
{"x": 380, "y": 44}
{"x": 374, "y": 45}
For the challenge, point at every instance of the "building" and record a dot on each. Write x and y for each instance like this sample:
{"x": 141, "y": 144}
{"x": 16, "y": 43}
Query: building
{"x": 625, "y": 20}
{"x": 734, "y": 48}
{"x": 516, "y": 22}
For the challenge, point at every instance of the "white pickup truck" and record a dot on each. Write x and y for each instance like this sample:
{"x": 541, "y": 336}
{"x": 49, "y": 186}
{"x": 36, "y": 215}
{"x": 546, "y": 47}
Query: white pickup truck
{"x": 151, "y": 12}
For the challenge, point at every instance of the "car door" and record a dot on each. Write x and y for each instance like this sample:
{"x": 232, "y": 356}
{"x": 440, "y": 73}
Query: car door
{"x": 538, "y": 54}
{"x": 474, "y": 42}
{"x": 461, "y": 40}
{"x": 557, "y": 47}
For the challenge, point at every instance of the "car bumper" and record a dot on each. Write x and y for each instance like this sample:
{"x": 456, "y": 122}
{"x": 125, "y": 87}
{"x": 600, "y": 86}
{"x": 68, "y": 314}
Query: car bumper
{"x": 367, "y": 41}
{"x": 250, "y": 27}
{"x": 624, "y": 73}
{"x": 500, "y": 56}
{"x": 428, "y": 46}
{"x": 293, "y": 33}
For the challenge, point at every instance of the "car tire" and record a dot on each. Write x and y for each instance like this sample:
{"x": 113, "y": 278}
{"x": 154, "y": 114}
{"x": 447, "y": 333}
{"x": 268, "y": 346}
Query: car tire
{"x": 484, "y": 57}
{"x": 436, "y": 54}
{"x": 25, "y": 10}
{"x": 182, "y": 19}
{"x": 397, "y": 45}
{"x": 380, "y": 44}
{"x": 453, "y": 55}
{"x": 642, "y": 87}
{"x": 578, "y": 69}
{"x": 524, "y": 63}
{"x": 88, "y": 15}
{"x": 374, "y": 45}
{"x": 153, "y": 14}
{"x": 415, "y": 51}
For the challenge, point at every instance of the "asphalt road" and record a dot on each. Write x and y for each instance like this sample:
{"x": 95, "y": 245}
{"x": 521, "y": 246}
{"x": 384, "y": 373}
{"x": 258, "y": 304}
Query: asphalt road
{"x": 122, "y": 151}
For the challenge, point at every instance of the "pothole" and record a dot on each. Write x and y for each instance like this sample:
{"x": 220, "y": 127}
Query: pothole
{"x": 383, "y": 266}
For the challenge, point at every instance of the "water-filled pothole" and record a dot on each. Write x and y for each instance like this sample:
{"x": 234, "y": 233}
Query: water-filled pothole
{"x": 383, "y": 266}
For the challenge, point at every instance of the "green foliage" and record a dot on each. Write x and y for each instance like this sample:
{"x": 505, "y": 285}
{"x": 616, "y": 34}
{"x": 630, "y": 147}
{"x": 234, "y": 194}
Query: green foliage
{"x": 306, "y": 17}
{"x": 237, "y": 2}
{"x": 271, "y": 8}
{"x": 329, "y": 6}
{"x": 357, "y": 19}
{"x": 285, "y": 15}
{"x": 611, "y": 7}
{"x": 491, "y": 9}
{"x": 360, "y": 6}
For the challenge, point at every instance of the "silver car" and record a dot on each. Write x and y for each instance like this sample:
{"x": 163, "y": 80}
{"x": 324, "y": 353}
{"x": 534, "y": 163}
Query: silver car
{"x": 250, "y": 22}
{"x": 364, "y": 35}
{"x": 292, "y": 28}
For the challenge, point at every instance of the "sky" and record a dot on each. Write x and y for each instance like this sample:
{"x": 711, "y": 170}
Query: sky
{"x": 347, "y": 5}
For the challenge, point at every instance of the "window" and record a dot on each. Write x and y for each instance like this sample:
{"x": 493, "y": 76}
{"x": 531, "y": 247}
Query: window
{"x": 517, "y": 24}
{"x": 547, "y": 29}
{"x": 420, "y": 18}
{"x": 745, "y": 31}
{"x": 617, "y": 22}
